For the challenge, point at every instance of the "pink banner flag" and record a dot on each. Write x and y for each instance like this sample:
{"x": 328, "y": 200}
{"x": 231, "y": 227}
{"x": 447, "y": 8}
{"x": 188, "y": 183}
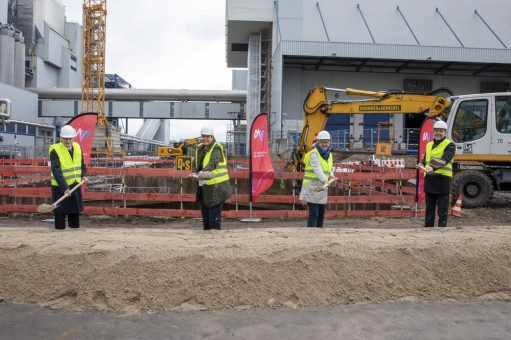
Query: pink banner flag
{"x": 426, "y": 136}
{"x": 85, "y": 126}
{"x": 262, "y": 173}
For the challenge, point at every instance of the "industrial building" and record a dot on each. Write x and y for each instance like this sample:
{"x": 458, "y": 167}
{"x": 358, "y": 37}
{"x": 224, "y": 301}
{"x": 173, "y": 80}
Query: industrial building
{"x": 38, "y": 48}
{"x": 291, "y": 46}
{"x": 278, "y": 51}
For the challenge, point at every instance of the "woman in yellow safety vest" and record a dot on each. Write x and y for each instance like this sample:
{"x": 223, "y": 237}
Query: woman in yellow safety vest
{"x": 438, "y": 175}
{"x": 210, "y": 167}
{"x": 67, "y": 170}
{"x": 318, "y": 171}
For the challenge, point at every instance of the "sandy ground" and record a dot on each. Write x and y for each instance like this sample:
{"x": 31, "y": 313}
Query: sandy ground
{"x": 176, "y": 267}
{"x": 130, "y": 265}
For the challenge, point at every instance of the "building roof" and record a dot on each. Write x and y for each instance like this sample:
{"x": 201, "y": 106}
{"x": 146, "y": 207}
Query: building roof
{"x": 466, "y": 31}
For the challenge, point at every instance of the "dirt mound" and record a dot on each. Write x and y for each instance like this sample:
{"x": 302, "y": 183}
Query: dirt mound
{"x": 131, "y": 270}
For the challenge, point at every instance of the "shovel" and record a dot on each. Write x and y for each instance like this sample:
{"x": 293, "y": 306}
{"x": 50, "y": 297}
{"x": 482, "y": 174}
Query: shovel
{"x": 420, "y": 166}
{"x": 46, "y": 208}
{"x": 323, "y": 187}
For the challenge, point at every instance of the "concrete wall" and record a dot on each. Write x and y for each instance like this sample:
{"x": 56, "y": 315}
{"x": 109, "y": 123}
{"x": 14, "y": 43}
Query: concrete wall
{"x": 46, "y": 75}
{"x": 16, "y": 141}
{"x": 24, "y": 103}
{"x": 53, "y": 45}
{"x": 3, "y": 11}
{"x": 239, "y": 80}
{"x": 54, "y": 15}
{"x": 249, "y": 10}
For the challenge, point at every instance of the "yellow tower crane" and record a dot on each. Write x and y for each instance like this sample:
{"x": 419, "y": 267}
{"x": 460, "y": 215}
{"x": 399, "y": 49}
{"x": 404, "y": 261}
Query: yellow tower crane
{"x": 93, "y": 71}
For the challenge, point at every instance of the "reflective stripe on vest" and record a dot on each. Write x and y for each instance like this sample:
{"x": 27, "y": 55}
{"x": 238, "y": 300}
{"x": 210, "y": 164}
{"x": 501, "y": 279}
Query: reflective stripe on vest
{"x": 220, "y": 174}
{"x": 326, "y": 165}
{"x": 438, "y": 152}
{"x": 71, "y": 167}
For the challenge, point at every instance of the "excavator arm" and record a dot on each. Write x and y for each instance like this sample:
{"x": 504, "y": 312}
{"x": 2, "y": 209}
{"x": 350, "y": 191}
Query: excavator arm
{"x": 179, "y": 150}
{"x": 318, "y": 106}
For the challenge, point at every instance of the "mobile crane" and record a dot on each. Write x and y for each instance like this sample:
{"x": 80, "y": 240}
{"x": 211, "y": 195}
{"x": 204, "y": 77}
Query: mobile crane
{"x": 479, "y": 125}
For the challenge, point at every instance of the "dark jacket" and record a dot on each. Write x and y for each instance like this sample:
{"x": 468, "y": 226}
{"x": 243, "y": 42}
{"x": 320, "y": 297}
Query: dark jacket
{"x": 436, "y": 183}
{"x": 211, "y": 195}
{"x": 74, "y": 203}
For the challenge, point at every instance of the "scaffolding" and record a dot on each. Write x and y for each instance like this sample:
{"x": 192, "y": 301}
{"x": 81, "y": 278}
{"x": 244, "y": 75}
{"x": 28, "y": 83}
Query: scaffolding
{"x": 236, "y": 138}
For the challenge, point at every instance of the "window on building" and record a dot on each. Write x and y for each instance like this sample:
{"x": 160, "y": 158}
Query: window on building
{"x": 238, "y": 47}
{"x": 418, "y": 85}
{"x": 21, "y": 129}
{"x": 10, "y": 128}
{"x": 495, "y": 86}
{"x": 74, "y": 63}
{"x": 31, "y": 130}
{"x": 503, "y": 112}
{"x": 471, "y": 120}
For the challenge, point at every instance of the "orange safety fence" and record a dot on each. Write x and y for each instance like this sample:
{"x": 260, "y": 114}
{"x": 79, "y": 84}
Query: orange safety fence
{"x": 366, "y": 185}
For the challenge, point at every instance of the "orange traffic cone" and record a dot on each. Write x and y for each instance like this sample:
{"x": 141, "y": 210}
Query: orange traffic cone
{"x": 456, "y": 210}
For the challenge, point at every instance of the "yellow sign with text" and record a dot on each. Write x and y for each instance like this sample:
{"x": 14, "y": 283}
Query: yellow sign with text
{"x": 183, "y": 163}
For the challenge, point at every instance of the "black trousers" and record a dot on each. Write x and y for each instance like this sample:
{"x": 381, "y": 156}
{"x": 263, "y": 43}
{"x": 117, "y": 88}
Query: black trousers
{"x": 211, "y": 216}
{"x": 316, "y": 215}
{"x": 72, "y": 219}
{"x": 434, "y": 202}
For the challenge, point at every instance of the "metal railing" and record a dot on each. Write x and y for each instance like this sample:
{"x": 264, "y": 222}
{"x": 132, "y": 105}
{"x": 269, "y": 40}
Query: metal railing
{"x": 406, "y": 141}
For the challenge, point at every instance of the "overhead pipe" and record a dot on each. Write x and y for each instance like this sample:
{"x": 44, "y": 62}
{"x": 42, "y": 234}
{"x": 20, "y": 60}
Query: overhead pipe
{"x": 235, "y": 96}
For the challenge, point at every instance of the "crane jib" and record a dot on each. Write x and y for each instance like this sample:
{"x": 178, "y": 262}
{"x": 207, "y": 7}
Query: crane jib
{"x": 373, "y": 108}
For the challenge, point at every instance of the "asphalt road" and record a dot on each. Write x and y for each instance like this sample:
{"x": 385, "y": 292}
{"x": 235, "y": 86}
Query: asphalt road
{"x": 484, "y": 320}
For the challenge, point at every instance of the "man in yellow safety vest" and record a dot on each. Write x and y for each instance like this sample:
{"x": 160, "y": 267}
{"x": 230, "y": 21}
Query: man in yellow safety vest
{"x": 67, "y": 170}
{"x": 438, "y": 175}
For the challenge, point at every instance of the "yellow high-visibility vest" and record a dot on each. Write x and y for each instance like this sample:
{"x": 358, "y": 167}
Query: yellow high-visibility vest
{"x": 220, "y": 174}
{"x": 71, "y": 167}
{"x": 326, "y": 165}
{"x": 438, "y": 152}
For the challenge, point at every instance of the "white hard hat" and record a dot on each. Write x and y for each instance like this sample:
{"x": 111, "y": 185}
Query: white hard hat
{"x": 440, "y": 124}
{"x": 207, "y": 131}
{"x": 67, "y": 131}
{"x": 323, "y": 135}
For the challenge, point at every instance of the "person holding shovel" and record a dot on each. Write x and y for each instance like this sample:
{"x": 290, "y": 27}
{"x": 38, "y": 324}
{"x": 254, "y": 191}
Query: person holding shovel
{"x": 319, "y": 174}
{"x": 437, "y": 166}
{"x": 210, "y": 169}
{"x": 67, "y": 172}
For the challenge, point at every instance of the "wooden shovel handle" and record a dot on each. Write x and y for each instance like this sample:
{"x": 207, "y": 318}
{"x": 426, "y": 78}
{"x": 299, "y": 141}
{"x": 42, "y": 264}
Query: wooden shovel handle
{"x": 69, "y": 194}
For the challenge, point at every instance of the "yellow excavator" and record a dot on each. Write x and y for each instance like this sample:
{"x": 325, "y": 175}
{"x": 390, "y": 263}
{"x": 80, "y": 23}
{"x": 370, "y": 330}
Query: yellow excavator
{"x": 479, "y": 125}
{"x": 318, "y": 107}
{"x": 183, "y": 148}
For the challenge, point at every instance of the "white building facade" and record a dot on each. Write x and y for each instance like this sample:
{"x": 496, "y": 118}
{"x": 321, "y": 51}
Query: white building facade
{"x": 463, "y": 45}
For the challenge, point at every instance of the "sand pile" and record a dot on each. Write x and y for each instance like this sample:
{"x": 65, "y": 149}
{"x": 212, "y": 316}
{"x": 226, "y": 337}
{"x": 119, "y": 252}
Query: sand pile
{"x": 131, "y": 270}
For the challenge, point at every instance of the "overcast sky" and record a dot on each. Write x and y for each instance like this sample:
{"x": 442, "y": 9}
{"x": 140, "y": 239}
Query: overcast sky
{"x": 166, "y": 44}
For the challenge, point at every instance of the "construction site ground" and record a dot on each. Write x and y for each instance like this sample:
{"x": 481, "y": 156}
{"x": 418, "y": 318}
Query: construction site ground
{"x": 269, "y": 272}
